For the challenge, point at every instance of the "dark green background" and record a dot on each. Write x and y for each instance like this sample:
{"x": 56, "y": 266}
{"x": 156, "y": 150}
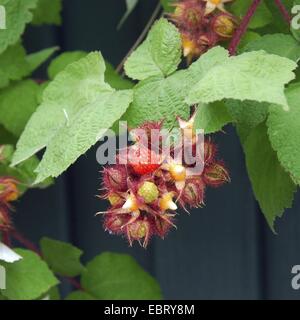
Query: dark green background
{"x": 222, "y": 251}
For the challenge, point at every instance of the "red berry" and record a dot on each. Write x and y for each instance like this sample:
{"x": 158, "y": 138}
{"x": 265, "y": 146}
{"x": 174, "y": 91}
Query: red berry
{"x": 144, "y": 161}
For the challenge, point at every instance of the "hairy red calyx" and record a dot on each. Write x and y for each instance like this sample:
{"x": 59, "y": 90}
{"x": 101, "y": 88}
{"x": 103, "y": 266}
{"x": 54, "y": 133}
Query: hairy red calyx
{"x": 8, "y": 193}
{"x": 202, "y": 24}
{"x": 146, "y": 192}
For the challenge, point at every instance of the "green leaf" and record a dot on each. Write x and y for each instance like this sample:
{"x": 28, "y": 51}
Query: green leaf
{"x": 159, "y": 54}
{"x": 256, "y": 76}
{"x": 262, "y": 17}
{"x": 278, "y": 23}
{"x": 6, "y": 137}
{"x": 247, "y": 115}
{"x": 140, "y": 65}
{"x": 249, "y": 36}
{"x": 2, "y": 297}
{"x": 130, "y": 5}
{"x": 54, "y": 293}
{"x": 112, "y": 276}
{"x": 77, "y": 99}
{"x": 13, "y": 64}
{"x": 62, "y": 258}
{"x": 167, "y": 5}
{"x": 24, "y": 173}
{"x": 212, "y": 117}
{"x": 75, "y": 87}
{"x": 115, "y": 80}
{"x": 79, "y": 295}
{"x": 28, "y": 278}
{"x": 6, "y": 153}
{"x": 159, "y": 98}
{"x": 74, "y": 139}
{"x": 42, "y": 88}
{"x": 283, "y": 45}
{"x": 47, "y": 12}
{"x": 59, "y": 64}
{"x": 18, "y": 14}
{"x": 38, "y": 58}
{"x": 284, "y": 132}
{"x": 272, "y": 186}
{"x": 17, "y": 104}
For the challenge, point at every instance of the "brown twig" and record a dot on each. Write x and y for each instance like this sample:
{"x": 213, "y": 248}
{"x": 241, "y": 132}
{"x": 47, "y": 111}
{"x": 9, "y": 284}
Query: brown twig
{"x": 141, "y": 37}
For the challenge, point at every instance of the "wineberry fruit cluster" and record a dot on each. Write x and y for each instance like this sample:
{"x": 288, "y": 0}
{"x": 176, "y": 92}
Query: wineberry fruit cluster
{"x": 202, "y": 24}
{"x": 145, "y": 193}
{"x": 8, "y": 193}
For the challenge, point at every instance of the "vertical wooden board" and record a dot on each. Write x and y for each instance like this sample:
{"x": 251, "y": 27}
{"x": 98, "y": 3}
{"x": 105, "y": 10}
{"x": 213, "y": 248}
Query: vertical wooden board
{"x": 213, "y": 254}
{"x": 282, "y": 252}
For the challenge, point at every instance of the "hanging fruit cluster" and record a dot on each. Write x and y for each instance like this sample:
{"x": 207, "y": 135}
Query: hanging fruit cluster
{"x": 145, "y": 193}
{"x": 202, "y": 24}
{"x": 8, "y": 193}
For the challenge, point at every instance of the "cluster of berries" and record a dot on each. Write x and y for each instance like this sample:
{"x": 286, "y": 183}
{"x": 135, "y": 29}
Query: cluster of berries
{"x": 202, "y": 24}
{"x": 145, "y": 193}
{"x": 8, "y": 193}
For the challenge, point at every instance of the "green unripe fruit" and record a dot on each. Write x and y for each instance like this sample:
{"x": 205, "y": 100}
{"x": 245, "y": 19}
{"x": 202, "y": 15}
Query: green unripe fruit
{"x": 148, "y": 191}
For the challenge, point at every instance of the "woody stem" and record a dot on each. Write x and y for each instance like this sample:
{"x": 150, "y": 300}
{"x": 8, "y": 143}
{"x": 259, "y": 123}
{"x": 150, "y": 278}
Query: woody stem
{"x": 283, "y": 11}
{"x": 236, "y": 39}
{"x": 141, "y": 37}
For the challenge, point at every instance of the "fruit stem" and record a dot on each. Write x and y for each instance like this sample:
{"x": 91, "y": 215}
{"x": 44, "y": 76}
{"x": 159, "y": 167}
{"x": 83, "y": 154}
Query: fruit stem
{"x": 141, "y": 37}
{"x": 287, "y": 17}
{"x": 26, "y": 243}
{"x": 6, "y": 238}
{"x": 236, "y": 39}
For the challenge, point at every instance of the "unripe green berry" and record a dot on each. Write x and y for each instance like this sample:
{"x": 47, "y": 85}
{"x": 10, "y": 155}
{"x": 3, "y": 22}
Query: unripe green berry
{"x": 148, "y": 191}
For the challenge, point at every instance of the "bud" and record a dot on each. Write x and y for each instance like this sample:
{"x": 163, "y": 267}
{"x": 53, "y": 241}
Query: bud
{"x": 210, "y": 151}
{"x": 5, "y": 222}
{"x": 131, "y": 204}
{"x": 188, "y": 127}
{"x": 166, "y": 202}
{"x": 188, "y": 14}
{"x": 8, "y": 190}
{"x": 114, "y": 199}
{"x": 208, "y": 40}
{"x": 178, "y": 172}
{"x": 148, "y": 191}
{"x": 224, "y": 25}
{"x": 190, "y": 47}
{"x": 163, "y": 224}
{"x": 193, "y": 193}
{"x": 215, "y": 175}
{"x": 114, "y": 223}
{"x": 150, "y": 131}
{"x": 139, "y": 230}
{"x": 212, "y": 5}
{"x": 6, "y": 151}
{"x": 115, "y": 178}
